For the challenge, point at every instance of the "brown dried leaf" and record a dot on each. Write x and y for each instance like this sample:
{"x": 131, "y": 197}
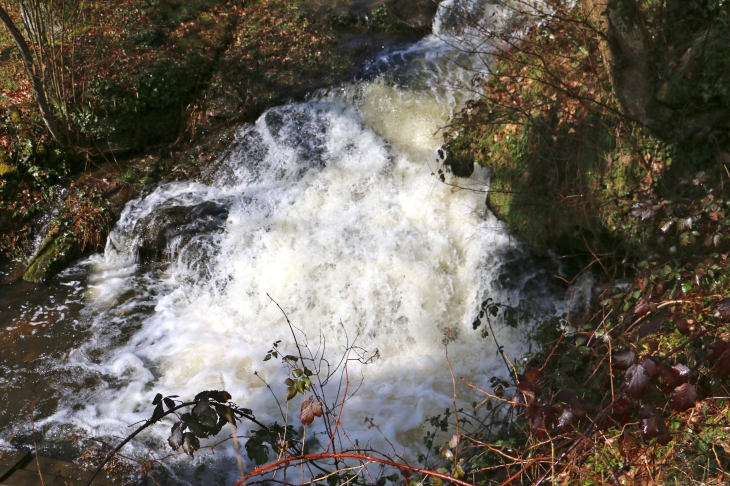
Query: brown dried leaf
{"x": 310, "y": 408}
{"x": 683, "y": 397}
{"x": 715, "y": 215}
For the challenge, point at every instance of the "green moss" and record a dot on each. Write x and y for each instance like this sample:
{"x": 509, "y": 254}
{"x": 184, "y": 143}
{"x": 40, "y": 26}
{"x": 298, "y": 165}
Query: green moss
{"x": 6, "y": 168}
{"x": 55, "y": 252}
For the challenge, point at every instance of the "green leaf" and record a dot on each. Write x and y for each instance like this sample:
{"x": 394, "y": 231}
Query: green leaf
{"x": 194, "y": 425}
{"x": 158, "y": 413}
{"x": 291, "y": 392}
{"x": 225, "y": 413}
{"x": 207, "y": 417}
{"x": 257, "y": 451}
{"x": 219, "y": 396}
{"x": 297, "y": 373}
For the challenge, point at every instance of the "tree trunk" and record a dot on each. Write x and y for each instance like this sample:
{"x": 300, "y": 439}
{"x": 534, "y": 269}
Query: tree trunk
{"x": 35, "y": 81}
{"x": 626, "y": 51}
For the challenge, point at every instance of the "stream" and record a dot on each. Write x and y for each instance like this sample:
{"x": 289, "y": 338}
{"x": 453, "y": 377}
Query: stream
{"x": 328, "y": 212}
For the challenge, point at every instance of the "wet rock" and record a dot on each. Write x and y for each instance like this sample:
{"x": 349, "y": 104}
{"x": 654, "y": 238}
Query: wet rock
{"x": 54, "y": 253}
{"x": 416, "y": 14}
{"x": 223, "y": 107}
{"x": 177, "y": 222}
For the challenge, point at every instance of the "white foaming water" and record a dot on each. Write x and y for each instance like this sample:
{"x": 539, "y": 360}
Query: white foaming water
{"x": 330, "y": 207}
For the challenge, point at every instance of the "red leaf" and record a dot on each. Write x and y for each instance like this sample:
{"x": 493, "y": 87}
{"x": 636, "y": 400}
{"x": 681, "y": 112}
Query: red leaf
{"x": 637, "y": 381}
{"x": 567, "y": 419}
{"x": 623, "y": 360}
{"x": 680, "y": 370}
{"x": 538, "y": 425}
{"x": 683, "y": 397}
{"x": 717, "y": 348}
{"x": 532, "y": 374}
{"x": 659, "y": 289}
{"x": 664, "y": 438}
{"x": 641, "y": 309}
{"x": 651, "y": 327}
{"x": 682, "y": 325}
{"x": 722, "y": 367}
{"x": 651, "y": 368}
{"x": 650, "y": 423}
{"x": 627, "y": 445}
{"x": 531, "y": 411}
{"x": 529, "y": 389}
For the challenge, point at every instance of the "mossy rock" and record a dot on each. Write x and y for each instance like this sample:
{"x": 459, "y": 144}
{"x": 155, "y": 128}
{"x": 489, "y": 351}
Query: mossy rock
{"x": 6, "y": 168}
{"x": 53, "y": 256}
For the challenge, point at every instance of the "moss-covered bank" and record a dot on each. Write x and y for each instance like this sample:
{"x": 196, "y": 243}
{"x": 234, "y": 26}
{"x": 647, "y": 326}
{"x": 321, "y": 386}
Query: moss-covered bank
{"x": 158, "y": 89}
{"x": 631, "y": 388}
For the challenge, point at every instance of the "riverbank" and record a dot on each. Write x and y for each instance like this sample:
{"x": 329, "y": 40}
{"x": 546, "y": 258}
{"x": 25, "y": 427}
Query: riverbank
{"x": 156, "y": 93}
{"x": 633, "y": 388}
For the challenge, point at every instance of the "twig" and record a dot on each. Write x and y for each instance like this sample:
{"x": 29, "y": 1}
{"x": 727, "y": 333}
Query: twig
{"x": 578, "y": 440}
{"x": 35, "y": 446}
{"x": 149, "y": 422}
{"x": 456, "y": 411}
{"x": 348, "y": 455}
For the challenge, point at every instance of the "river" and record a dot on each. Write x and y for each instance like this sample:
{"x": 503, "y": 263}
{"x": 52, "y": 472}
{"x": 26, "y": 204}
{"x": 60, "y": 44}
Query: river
{"x": 330, "y": 211}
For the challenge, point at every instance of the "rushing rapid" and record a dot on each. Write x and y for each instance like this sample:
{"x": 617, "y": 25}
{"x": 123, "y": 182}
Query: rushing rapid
{"x": 329, "y": 213}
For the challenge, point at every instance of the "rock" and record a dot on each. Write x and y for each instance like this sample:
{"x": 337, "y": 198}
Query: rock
{"x": 53, "y": 255}
{"x": 416, "y": 14}
{"x": 162, "y": 227}
{"x": 222, "y": 107}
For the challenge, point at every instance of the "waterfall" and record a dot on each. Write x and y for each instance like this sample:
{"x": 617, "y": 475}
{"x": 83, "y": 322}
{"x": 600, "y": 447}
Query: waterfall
{"x": 331, "y": 208}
